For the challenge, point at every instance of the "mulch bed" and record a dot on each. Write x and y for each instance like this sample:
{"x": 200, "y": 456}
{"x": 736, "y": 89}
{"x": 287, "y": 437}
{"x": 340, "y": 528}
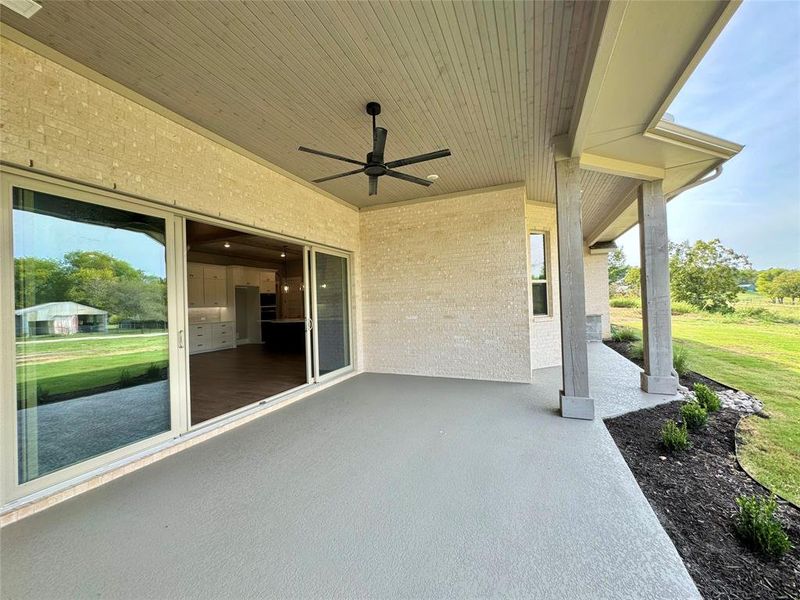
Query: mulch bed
{"x": 693, "y": 493}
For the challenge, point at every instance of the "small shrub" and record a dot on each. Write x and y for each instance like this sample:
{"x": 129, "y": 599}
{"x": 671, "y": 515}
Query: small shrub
{"x": 623, "y": 334}
{"x": 693, "y": 415}
{"x": 153, "y": 372}
{"x": 674, "y": 437}
{"x": 758, "y": 527}
{"x": 42, "y": 394}
{"x": 679, "y": 307}
{"x": 125, "y": 378}
{"x": 706, "y": 397}
{"x": 680, "y": 360}
{"x": 636, "y": 351}
{"x": 625, "y": 302}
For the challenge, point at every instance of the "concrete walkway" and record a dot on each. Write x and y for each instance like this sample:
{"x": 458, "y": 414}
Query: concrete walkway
{"x": 383, "y": 486}
{"x": 614, "y": 383}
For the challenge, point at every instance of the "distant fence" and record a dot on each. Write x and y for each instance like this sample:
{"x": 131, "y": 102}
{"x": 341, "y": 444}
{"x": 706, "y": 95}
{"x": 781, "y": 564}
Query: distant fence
{"x": 142, "y": 326}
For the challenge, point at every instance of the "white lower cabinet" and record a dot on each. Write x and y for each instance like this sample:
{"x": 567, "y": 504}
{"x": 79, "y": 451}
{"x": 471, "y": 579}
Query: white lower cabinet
{"x": 206, "y": 337}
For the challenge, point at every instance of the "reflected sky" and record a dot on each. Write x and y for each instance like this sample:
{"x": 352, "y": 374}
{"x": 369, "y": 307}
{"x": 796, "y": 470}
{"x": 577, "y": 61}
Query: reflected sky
{"x": 55, "y": 237}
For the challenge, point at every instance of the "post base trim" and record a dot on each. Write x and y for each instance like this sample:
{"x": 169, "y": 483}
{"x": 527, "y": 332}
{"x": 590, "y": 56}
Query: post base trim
{"x": 655, "y": 384}
{"x": 577, "y": 407}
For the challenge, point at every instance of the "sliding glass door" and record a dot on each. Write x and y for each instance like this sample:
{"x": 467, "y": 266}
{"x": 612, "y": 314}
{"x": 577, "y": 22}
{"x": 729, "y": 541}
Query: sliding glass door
{"x": 91, "y": 330}
{"x": 330, "y": 301}
{"x": 124, "y": 325}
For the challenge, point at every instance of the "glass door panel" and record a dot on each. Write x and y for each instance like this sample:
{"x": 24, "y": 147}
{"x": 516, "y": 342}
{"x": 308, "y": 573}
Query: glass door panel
{"x": 90, "y": 312}
{"x": 248, "y": 334}
{"x": 331, "y": 312}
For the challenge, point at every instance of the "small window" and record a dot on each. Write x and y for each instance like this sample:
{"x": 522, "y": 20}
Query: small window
{"x": 540, "y": 274}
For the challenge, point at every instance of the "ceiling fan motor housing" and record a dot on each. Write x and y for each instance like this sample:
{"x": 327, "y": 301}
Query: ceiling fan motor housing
{"x": 374, "y": 168}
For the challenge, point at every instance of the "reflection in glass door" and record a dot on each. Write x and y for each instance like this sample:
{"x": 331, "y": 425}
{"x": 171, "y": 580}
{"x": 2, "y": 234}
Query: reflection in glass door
{"x": 90, "y": 315}
{"x": 331, "y": 309}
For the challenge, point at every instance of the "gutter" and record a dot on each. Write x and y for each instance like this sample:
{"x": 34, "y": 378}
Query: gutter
{"x": 694, "y": 184}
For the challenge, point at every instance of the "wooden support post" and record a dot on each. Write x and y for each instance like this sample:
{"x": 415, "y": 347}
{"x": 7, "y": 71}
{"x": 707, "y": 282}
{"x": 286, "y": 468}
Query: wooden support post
{"x": 658, "y": 376}
{"x": 575, "y": 400}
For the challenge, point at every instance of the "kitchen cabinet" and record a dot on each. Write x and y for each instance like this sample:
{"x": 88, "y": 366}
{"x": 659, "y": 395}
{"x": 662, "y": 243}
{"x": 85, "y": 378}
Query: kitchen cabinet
{"x": 195, "y": 285}
{"x": 266, "y": 283}
{"x": 215, "y": 292}
{"x": 251, "y": 277}
{"x": 246, "y": 276}
{"x": 207, "y": 285}
{"x": 207, "y": 337}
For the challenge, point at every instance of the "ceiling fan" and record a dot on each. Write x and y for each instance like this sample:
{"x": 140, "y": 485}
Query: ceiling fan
{"x": 375, "y": 166}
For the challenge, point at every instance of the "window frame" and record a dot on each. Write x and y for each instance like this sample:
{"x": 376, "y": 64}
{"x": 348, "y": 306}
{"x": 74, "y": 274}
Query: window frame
{"x": 548, "y": 280}
{"x": 12, "y": 489}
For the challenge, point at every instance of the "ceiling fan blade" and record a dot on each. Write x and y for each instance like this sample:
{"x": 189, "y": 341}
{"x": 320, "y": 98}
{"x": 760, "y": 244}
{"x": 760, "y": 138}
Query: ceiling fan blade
{"x": 329, "y": 155}
{"x": 410, "y": 178}
{"x": 373, "y": 185}
{"x": 321, "y": 179}
{"x": 378, "y": 143}
{"x": 411, "y": 160}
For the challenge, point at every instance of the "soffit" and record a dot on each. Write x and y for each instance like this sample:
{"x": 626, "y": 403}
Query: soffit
{"x": 493, "y": 81}
{"x": 645, "y": 53}
{"x": 655, "y": 45}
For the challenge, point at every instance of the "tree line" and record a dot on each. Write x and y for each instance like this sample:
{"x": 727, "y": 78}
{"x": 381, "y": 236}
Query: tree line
{"x": 95, "y": 279}
{"x": 707, "y": 275}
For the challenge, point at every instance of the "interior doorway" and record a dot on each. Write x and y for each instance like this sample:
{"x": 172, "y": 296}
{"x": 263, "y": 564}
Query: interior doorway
{"x": 248, "y": 323}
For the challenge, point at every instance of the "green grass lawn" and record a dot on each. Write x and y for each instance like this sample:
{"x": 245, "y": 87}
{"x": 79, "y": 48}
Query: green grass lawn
{"x": 761, "y": 358}
{"x": 70, "y": 366}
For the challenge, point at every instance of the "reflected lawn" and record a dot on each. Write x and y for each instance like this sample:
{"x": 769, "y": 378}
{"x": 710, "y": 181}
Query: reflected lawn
{"x": 69, "y": 367}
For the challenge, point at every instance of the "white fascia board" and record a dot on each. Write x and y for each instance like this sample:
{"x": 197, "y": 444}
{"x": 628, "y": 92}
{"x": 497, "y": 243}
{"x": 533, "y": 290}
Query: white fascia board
{"x": 673, "y": 133}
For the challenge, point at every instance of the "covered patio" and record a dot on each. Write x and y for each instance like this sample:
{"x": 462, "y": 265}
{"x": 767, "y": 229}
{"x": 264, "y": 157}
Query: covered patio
{"x": 381, "y": 486}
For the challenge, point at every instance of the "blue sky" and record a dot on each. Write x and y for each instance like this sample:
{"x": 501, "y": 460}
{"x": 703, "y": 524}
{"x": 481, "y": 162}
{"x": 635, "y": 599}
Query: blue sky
{"x": 747, "y": 90}
{"x": 43, "y": 236}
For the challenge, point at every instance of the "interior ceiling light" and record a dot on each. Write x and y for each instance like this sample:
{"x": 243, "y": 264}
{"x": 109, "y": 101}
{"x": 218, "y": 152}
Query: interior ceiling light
{"x": 432, "y": 177}
{"x": 283, "y": 254}
{"x": 227, "y": 244}
{"x": 26, "y": 8}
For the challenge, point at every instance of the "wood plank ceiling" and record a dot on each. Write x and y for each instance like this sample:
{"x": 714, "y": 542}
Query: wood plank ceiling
{"x": 493, "y": 81}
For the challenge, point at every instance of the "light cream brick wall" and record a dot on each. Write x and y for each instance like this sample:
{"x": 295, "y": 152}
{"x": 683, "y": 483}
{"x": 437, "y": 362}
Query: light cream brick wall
{"x": 445, "y": 287}
{"x": 70, "y": 126}
{"x": 595, "y": 276}
{"x": 546, "y": 331}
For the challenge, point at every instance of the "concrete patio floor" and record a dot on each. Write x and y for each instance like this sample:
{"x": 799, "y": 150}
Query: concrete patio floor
{"x": 383, "y": 486}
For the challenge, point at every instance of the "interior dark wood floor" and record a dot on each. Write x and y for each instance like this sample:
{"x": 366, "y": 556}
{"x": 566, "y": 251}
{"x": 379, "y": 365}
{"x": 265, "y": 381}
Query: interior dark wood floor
{"x": 225, "y": 380}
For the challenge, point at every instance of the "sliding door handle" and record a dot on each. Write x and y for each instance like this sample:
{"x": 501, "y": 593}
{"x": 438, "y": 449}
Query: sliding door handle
{"x": 181, "y": 342}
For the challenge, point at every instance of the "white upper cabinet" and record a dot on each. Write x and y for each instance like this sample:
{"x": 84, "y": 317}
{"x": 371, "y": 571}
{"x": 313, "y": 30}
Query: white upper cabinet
{"x": 266, "y": 284}
{"x": 251, "y": 277}
{"x": 195, "y": 285}
{"x": 207, "y": 285}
